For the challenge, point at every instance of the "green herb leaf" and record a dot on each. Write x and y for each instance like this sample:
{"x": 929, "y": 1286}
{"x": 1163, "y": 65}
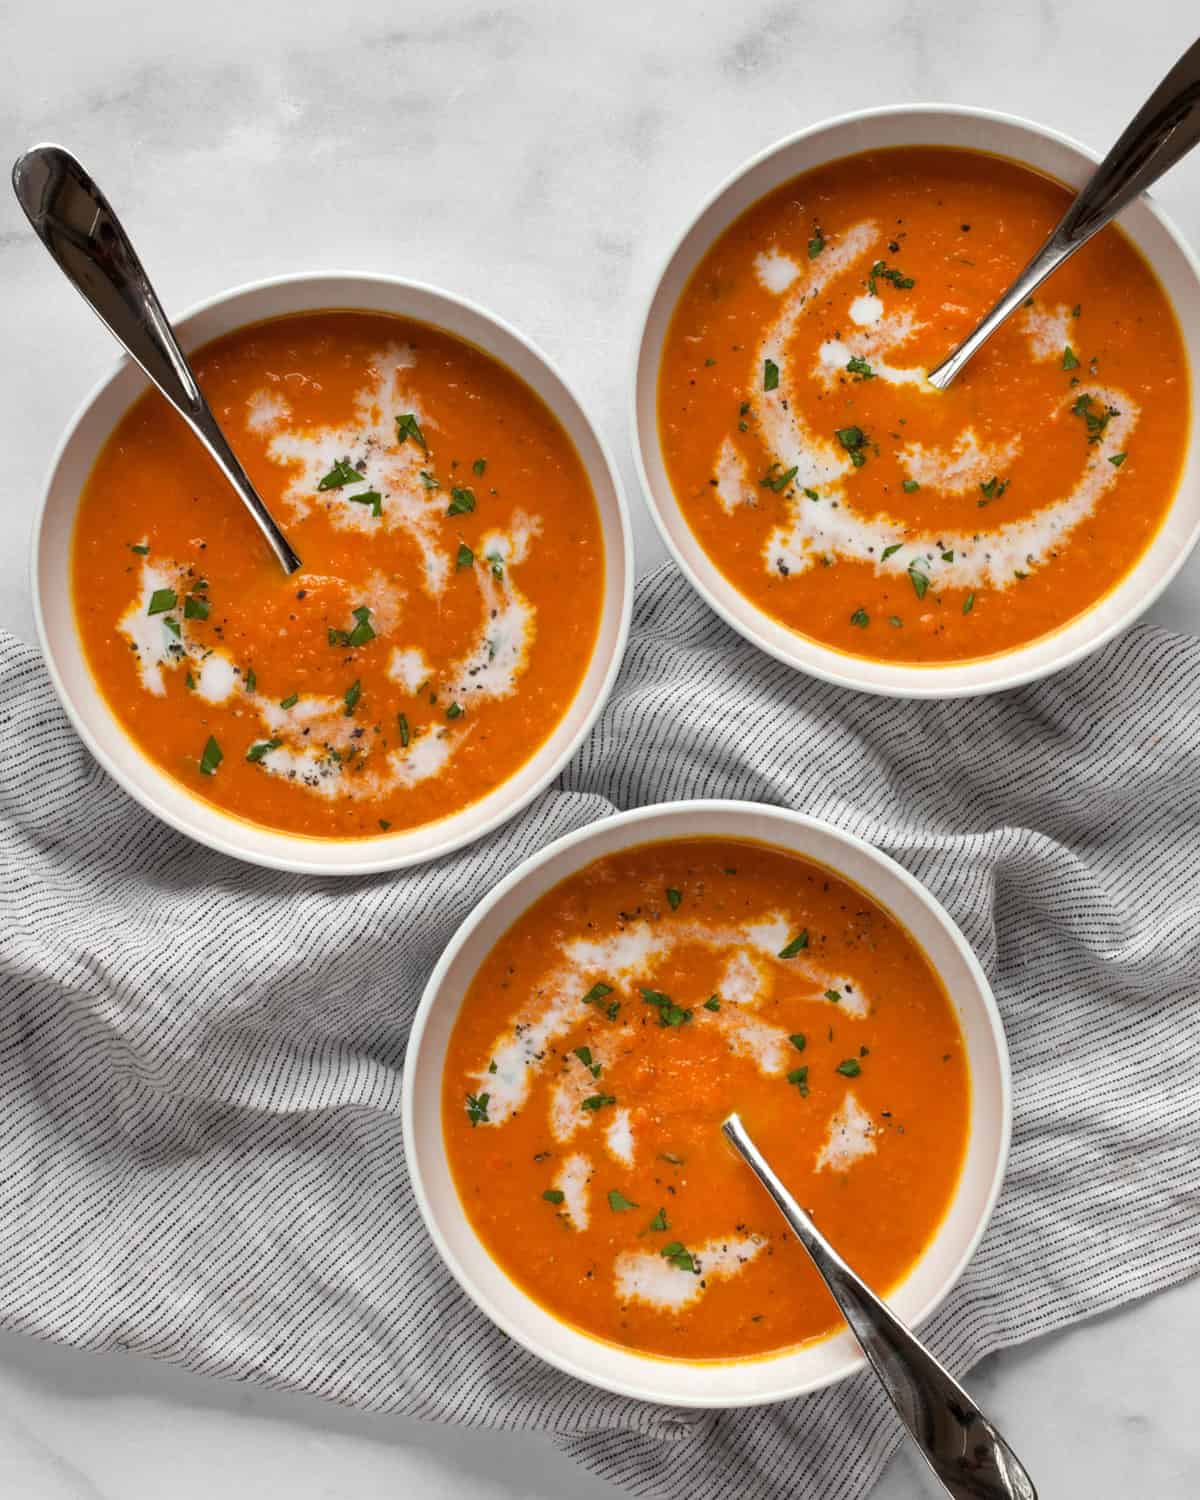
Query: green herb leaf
{"x": 677, "y": 1256}
{"x": 669, "y": 1014}
{"x": 256, "y": 752}
{"x": 477, "y": 1108}
{"x": 860, "y": 618}
{"x": 816, "y": 245}
{"x": 851, "y": 438}
{"x": 918, "y": 578}
{"x": 910, "y": 487}
{"x": 363, "y": 630}
{"x": 161, "y": 600}
{"x": 402, "y": 720}
{"x": 597, "y": 992}
{"x": 1117, "y": 459}
{"x": 770, "y": 375}
{"x": 674, "y": 897}
{"x": 172, "y": 625}
{"x": 834, "y": 995}
{"x": 462, "y": 501}
{"x": 341, "y": 473}
{"x": 371, "y": 498}
{"x": 584, "y": 1054}
{"x": 211, "y": 757}
{"x": 479, "y": 465}
{"x": 860, "y": 367}
{"x": 251, "y": 681}
{"x": 969, "y": 603}
{"x": 713, "y": 1003}
{"x": 798, "y": 1040}
{"x": 1069, "y": 360}
{"x": 799, "y": 1077}
{"x": 658, "y": 1224}
{"x": 597, "y": 1101}
{"x": 890, "y": 551}
{"x": 778, "y": 482}
{"x": 407, "y": 427}
{"x": 353, "y": 694}
{"x": 849, "y": 1068}
{"x": 797, "y": 945}
{"x": 466, "y": 558}
{"x": 553, "y": 1195}
{"x": 140, "y": 548}
{"x": 947, "y": 556}
{"x": 812, "y": 494}
{"x": 290, "y": 702}
{"x": 195, "y": 608}
{"x": 455, "y": 711}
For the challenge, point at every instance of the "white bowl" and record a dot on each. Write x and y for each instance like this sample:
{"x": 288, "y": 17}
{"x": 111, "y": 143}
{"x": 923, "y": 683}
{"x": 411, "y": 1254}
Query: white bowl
{"x": 711, "y": 1383}
{"x": 917, "y": 125}
{"x": 85, "y": 704}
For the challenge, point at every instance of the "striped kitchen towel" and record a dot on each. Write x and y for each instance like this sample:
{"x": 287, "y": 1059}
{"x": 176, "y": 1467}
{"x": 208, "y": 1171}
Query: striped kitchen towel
{"x": 200, "y": 1061}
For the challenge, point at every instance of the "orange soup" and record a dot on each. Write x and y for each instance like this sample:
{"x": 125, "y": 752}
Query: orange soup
{"x": 447, "y": 607}
{"x": 849, "y": 499}
{"x": 617, "y": 1023}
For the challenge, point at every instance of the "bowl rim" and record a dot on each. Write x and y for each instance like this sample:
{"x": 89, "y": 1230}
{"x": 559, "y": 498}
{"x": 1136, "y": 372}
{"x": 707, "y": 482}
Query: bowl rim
{"x": 230, "y": 845}
{"x": 914, "y": 688}
{"x": 686, "y": 809}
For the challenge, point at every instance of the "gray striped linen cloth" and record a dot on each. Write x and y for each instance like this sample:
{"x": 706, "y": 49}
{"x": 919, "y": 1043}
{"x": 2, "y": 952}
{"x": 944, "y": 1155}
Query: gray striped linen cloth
{"x": 200, "y": 1061}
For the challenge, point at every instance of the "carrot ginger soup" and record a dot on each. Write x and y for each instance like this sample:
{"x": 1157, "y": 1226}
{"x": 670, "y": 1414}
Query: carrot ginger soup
{"x": 447, "y": 607}
{"x": 616, "y": 1024}
{"x": 857, "y": 505}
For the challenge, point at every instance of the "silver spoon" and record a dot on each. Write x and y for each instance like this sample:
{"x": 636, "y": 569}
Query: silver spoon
{"x": 1165, "y": 129}
{"x": 73, "y": 219}
{"x": 960, "y": 1445}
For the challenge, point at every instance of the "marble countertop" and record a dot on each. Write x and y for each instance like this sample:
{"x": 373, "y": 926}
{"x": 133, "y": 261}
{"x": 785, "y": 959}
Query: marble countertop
{"x": 540, "y": 156}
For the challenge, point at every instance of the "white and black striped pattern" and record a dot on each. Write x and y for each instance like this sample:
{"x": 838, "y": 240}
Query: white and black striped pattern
{"x": 200, "y": 1062}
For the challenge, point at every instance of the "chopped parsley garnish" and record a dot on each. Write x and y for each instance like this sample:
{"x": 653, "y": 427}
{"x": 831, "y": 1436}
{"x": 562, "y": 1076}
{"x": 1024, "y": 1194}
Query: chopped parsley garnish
{"x": 674, "y": 897}
{"x": 290, "y": 701}
{"x": 385, "y": 825}
{"x": 360, "y": 633}
{"x": 497, "y": 564}
{"x": 342, "y": 473}
{"x": 799, "y": 1077}
{"x": 895, "y": 621}
{"x": 256, "y": 752}
{"x": 770, "y": 375}
{"x": 852, "y": 439}
{"x": 402, "y": 720}
{"x": 353, "y": 694}
{"x": 778, "y": 482}
{"x": 860, "y": 367}
{"x": 675, "y": 1255}
{"x": 172, "y": 625}
{"x": 816, "y": 245}
{"x": 1096, "y": 421}
{"x": 455, "y": 711}
{"x": 669, "y": 1014}
{"x": 812, "y": 494}
{"x": 161, "y": 600}
{"x": 1070, "y": 360}
{"x": 553, "y": 1195}
{"x": 466, "y": 558}
{"x": 462, "y": 501}
{"x": 658, "y": 1224}
{"x": 834, "y": 995}
{"x": 910, "y": 486}
{"x": 797, "y": 945}
{"x": 969, "y": 603}
{"x": 676, "y": 1161}
{"x": 618, "y": 1202}
{"x": 1117, "y": 459}
{"x": 251, "y": 680}
{"x": 479, "y": 465}
{"x": 140, "y": 548}
{"x": 849, "y": 1068}
{"x": 407, "y": 427}
{"x": 477, "y": 1108}
{"x": 860, "y": 618}
{"x": 211, "y": 757}
{"x": 597, "y": 1101}
{"x": 891, "y": 551}
{"x": 584, "y": 1054}
{"x": 713, "y": 1003}
{"x": 918, "y": 578}
{"x": 993, "y": 489}
{"x": 798, "y": 1040}
{"x": 189, "y": 682}
{"x": 882, "y": 271}
{"x": 371, "y": 498}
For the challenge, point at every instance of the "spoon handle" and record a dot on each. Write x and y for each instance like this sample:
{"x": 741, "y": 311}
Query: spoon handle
{"x": 1165, "y": 128}
{"x": 76, "y": 223}
{"x": 960, "y": 1445}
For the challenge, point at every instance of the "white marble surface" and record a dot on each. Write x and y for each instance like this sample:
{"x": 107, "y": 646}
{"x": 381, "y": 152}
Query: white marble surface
{"x": 538, "y": 155}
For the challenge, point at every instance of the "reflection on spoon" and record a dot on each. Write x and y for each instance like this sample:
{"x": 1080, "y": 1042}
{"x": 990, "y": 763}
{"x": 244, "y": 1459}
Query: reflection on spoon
{"x": 960, "y": 1445}
{"x": 73, "y": 219}
{"x": 1165, "y": 129}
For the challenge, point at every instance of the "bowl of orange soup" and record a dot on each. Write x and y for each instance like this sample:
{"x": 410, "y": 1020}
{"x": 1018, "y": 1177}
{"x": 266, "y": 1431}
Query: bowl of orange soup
{"x": 846, "y": 516}
{"x": 599, "y": 1015}
{"x": 461, "y": 609}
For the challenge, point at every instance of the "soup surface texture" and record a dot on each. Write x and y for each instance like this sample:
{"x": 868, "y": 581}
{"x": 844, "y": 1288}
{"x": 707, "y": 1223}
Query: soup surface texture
{"x": 447, "y": 607}
{"x": 849, "y": 499}
{"x": 616, "y": 1024}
